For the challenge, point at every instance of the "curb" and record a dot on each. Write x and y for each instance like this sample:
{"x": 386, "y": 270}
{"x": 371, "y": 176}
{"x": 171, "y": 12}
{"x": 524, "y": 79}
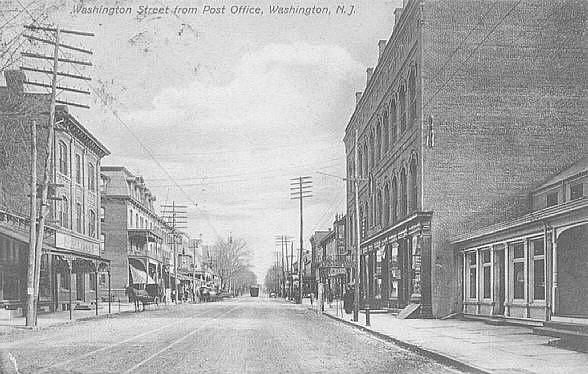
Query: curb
{"x": 432, "y": 354}
{"x": 67, "y": 322}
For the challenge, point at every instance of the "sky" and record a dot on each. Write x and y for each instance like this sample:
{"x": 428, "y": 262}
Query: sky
{"x": 219, "y": 112}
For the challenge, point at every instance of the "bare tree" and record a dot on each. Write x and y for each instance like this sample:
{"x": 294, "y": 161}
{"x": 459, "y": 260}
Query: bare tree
{"x": 230, "y": 258}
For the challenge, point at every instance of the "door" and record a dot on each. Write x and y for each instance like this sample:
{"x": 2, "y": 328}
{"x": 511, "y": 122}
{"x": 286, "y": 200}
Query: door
{"x": 406, "y": 272}
{"x": 499, "y": 284}
{"x": 80, "y": 286}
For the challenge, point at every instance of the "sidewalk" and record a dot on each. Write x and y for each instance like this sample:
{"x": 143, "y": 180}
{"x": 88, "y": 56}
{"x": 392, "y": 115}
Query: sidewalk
{"x": 471, "y": 345}
{"x": 44, "y": 320}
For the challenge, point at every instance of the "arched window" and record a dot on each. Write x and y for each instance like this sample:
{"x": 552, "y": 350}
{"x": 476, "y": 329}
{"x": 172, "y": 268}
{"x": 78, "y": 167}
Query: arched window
{"x": 79, "y": 215}
{"x": 91, "y": 177}
{"x": 403, "y": 193}
{"x": 386, "y": 209}
{"x": 359, "y": 162}
{"x": 413, "y": 185}
{"x": 372, "y": 150}
{"x": 64, "y": 212}
{"x": 393, "y": 126}
{"x": 92, "y": 224}
{"x": 394, "y": 198}
{"x": 412, "y": 96}
{"x": 366, "y": 165}
{"x": 379, "y": 208}
{"x": 367, "y": 215}
{"x": 378, "y": 141}
{"x": 402, "y": 100}
{"x": 62, "y": 158}
{"x": 386, "y": 126}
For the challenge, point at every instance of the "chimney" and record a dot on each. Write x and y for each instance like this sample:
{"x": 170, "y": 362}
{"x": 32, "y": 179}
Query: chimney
{"x": 397, "y": 14}
{"x": 381, "y": 47}
{"x": 370, "y": 72}
{"x": 15, "y": 81}
{"x": 357, "y": 97}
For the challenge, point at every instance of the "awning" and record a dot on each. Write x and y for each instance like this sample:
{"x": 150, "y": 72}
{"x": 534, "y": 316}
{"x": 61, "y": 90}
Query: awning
{"x": 139, "y": 276}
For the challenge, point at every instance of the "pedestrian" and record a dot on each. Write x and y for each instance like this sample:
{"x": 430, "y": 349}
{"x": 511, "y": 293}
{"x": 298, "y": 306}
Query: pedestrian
{"x": 173, "y": 295}
{"x": 348, "y": 299}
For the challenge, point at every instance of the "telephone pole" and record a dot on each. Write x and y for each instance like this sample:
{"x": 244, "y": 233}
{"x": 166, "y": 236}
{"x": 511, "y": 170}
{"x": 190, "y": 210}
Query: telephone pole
{"x": 282, "y": 240}
{"x": 175, "y": 216}
{"x": 33, "y": 278}
{"x": 300, "y": 188}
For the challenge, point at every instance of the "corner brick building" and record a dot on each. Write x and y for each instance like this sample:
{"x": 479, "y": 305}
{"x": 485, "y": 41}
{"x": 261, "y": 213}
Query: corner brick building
{"x": 470, "y": 107}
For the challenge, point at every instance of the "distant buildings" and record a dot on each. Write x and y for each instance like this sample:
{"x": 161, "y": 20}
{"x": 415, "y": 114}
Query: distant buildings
{"x": 471, "y": 106}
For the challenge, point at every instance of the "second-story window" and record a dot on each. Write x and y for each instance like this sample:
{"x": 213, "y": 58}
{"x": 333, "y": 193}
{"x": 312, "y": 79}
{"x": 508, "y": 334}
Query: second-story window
{"x": 372, "y": 150}
{"x": 78, "y": 169}
{"x": 62, "y": 158}
{"x": 393, "y": 126}
{"x": 386, "y": 125}
{"x": 394, "y": 198}
{"x": 414, "y": 188}
{"x": 412, "y": 96}
{"x": 552, "y": 199}
{"x": 402, "y": 100}
{"x": 403, "y": 193}
{"x": 378, "y": 141}
{"x": 92, "y": 224}
{"x": 64, "y": 212}
{"x": 576, "y": 191}
{"x": 91, "y": 177}
{"x": 79, "y": 226}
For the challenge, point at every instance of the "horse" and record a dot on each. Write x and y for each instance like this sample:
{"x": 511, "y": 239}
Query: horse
{"x": 132, "y": 295}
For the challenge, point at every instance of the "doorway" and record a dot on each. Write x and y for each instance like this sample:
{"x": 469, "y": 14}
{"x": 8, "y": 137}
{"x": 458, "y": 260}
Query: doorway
{"x": 499, "y": 283}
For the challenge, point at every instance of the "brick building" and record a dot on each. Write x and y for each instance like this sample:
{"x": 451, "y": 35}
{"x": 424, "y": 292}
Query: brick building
{"x": 470, "y": 106}
{"x": 71, "y": 259}
{"x": 136, "y": 239}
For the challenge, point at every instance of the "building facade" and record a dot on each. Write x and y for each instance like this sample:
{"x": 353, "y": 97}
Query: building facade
{"x": 71, "y": 264}
{"x": 470, "y": 106}
{"x": 137, "y": 241}
{"x": 536, "y": 265}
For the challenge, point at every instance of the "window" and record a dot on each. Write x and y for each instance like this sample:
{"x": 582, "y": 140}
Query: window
{"x": 64, "y": 280}
{"x": 537, "y": 248}
{"x": 403, "y": 193}
{"x": 519, "y": 276}
{"x": 78, "y": 169}
{"x": 379, "y": 208}
{"x": 92, "y": 281}
{"x": 92, "y": 224}
{"x": 393, "y": 126}
{"x": 366, "y": 166}
{"x": 414, "y": 188}
{"x": 91, "y": 177}
{"x": 102, "y": 243}
{"x": 79, "y": 226}
{"x": 372, "y": 151}
{"x": 102, "y": 214}
{"x": 394, "y": 200}
{"x": 402, "y": 99}
{"x": 487, "y": 273}
{"x": 64, "y": 212}
{"x": 576, "y": 191}
{"x": 360, "y": 163}
{"x": 62, "y": 158}
{"x": 103, "y": 280}
{"x": 473, "y": 275}
{"x": 386, "y": 205}
{"x": 386, "y": 125}
{"x": 552, "y": 199}
{"x": 137, "y": 220}
{"x": 378, "y": 141}
{"x": 412, "y": 96}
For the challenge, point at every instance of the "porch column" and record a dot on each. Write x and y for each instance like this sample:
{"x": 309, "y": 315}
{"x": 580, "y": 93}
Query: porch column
{"x": 492, "y": 269}
{"x": 506, "y": 280}
{"x": 554, "y": 290}
{"x": 464, "y": 280}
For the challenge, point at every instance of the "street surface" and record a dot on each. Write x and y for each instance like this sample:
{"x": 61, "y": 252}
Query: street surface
{"x": 244, "y": 335}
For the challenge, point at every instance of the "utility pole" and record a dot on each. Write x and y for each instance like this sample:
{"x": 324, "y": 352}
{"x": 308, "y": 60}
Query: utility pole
{"x": 300, "y": 188}
{"x": 55, "y": 33}
{"x": 176, "y": 216}
{"x": 30, "y": 313}
{"x": 282, "y": 240}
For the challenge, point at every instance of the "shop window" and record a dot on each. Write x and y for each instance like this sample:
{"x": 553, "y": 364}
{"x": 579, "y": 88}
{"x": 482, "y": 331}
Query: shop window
{"x": 487, "y": 271}
{"x": 473, "y": 274}
{"x": 576, "y": 191}
{"x": 538, "y": 249}
{"x": 92, "y": 281}
{"x": 519, "y": 274}
{"x": 64, "y": 280}
{"x": 552, "y": 199}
